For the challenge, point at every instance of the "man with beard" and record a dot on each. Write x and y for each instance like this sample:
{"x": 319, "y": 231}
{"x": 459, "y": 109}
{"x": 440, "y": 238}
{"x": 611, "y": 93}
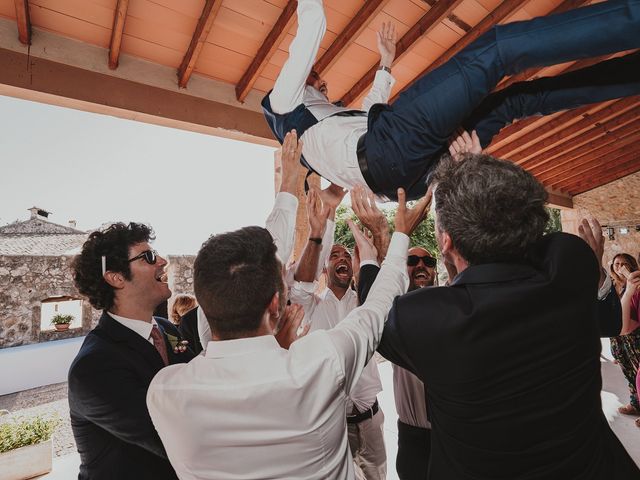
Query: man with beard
{"x": 414, "y": 428}
{"x": 323, "y": 312}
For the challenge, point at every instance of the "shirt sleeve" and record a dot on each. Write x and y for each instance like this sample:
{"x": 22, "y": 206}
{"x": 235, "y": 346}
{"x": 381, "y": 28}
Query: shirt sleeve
{"x": 204, "y": 330}
{"x": 357, "y": 336}
{"x": 603, "y": 291}
{"x": 303, "y": 293}
{"x": 380, "y": 90}
{"x": 281, "y": 224}
{"x": 289, "y": 87}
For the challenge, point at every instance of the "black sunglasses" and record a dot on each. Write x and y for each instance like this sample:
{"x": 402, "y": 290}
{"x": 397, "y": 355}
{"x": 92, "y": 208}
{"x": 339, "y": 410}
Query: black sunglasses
{"x": 149, "y": 256}
{"x": 413, "y": 260}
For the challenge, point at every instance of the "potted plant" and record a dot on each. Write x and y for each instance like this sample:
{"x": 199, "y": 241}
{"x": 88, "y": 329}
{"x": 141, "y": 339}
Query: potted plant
{"x": 61, "y": 322}
{"x": 25, "y": 446}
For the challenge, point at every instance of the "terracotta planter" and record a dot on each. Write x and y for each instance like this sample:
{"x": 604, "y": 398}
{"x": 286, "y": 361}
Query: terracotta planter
{"x": 27, "y": 462}
{"x": 62, "y": 327}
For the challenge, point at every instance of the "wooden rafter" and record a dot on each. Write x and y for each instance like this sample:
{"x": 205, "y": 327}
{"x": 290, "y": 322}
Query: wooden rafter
{"x": 116, "y": 33}
{"x": 203, "y": 27}
{"x": 268, "y": 48}
{"x": 617, "y": 145}
{"x": 571, "y": 124}
{"x": 610, "y": 168}
{"x": 502, "y": 11}
{"x": 23, "y": 21}
{"x": 616, "y": 174}
{"x": 364, "y": 16}
{"x": 429, "y": 20}
{"x": 562, "y": 154}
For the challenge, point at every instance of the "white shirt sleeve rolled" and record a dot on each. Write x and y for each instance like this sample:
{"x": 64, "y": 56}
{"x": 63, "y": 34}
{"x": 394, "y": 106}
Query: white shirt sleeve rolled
{"x": 281, "y": 224}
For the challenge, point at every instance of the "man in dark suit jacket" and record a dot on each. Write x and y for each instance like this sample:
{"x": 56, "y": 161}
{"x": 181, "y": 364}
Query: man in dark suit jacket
{"x": 108, "y": 380}
{"x": 510, "y": 351}
{"x": 188, "y": 328}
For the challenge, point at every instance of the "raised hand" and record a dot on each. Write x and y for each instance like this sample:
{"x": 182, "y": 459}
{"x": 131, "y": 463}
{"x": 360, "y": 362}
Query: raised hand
{"x": 332, "y": 196}
{"x": 464, "y": 143}
{"x": 291, "y": 151}
{"x": 591, "y": 232}
{"x": 407, "y": 219}
{"x": 289, "y": 325}
{"x": 364, "y": 206}
{"x": 387, "y": 39}
{"x": 317, "y": 212}
{"x": 366, "y": 249}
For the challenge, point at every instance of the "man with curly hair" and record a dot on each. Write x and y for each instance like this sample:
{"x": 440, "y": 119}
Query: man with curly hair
{"x": 124, "y": 277}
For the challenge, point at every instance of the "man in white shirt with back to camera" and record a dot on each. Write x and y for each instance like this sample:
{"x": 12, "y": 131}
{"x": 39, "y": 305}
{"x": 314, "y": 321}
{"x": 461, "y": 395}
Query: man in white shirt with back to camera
{"x": 248, "y": 408}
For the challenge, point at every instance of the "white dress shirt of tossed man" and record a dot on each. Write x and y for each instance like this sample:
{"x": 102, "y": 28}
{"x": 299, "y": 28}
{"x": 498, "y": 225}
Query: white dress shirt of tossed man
{"x": 323, "y": 311}
{"x": 248, "y": 408}
{"x": 330, "y": 150}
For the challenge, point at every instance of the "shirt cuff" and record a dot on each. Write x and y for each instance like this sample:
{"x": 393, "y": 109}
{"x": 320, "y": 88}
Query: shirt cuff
{"x": 384, "y": 77}
{"x": 398, "y": 246}
{"x": 369, "y": 262}
{"x": 307, "y": 287}
{"x": 604, "y": 290}
{"x": 286, "y": 201}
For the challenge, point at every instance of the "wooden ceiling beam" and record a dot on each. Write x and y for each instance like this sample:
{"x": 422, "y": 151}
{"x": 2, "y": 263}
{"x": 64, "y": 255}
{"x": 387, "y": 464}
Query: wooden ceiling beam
{"x": 632, "y": 165}
{"x": 602, "y": 137}
{"x": 617, "y": 145}
{"x": 266, "y": 51}
{"x": 569, "y": 130}
{"x": 589, "y": 162}
{"x": 509, "y": 150}
{"x": 200, "y": 34}
{"x": 429, "y": 20}
{"x": 506, "y": 8}
{"x": 355, "y": 27}
{"x": 23, "y": 21}
{"x": 119, "y": 17}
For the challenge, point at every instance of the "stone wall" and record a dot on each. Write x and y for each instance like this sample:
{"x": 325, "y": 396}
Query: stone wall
{"x": 180, "y": 276}
{"x": 616, "y": 204}
{"x": 24, "y": 283}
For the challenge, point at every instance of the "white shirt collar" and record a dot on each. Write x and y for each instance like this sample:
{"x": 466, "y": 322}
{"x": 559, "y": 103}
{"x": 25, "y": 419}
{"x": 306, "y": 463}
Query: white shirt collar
{"x": 240, "y": 346}
{"x": 141, "y": 327}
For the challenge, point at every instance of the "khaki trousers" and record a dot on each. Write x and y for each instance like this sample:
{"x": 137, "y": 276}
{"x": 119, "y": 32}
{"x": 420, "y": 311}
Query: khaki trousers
{"x": 366, "y": 441}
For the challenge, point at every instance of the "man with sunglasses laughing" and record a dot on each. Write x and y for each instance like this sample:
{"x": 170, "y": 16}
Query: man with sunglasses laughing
{"x": 122, "y": 275}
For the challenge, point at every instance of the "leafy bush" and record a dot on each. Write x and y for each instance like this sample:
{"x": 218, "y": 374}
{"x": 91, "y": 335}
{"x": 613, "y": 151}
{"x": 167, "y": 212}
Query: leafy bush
{"x": 20, "y": 432}
{"x": 61, "y": 319}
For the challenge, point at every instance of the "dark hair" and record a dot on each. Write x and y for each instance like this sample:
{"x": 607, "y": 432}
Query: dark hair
{"x": 633, "y": 266}
{"x": 235, "y": 277}
{"x": 492, "y": 209}
{"x": 114, "y": 243}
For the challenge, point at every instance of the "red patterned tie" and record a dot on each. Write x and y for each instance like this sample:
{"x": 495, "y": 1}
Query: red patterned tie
{"x": 158, "y": 342}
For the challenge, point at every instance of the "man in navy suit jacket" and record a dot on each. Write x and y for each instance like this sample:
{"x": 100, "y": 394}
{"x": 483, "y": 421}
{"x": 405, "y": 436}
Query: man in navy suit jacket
{"x": 108, "y": 380}
{"x": 510, "y": 350}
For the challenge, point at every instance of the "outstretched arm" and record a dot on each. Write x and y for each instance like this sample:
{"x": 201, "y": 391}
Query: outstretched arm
{"x": 281, "y": 222}
{"x": 289, "y": 87}
{"x": 383, "y": 81}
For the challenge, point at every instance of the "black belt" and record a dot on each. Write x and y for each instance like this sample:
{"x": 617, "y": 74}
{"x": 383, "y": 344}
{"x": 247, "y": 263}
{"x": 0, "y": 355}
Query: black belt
{"x": 361, "y": 151}
{"x": 366, "y": 415}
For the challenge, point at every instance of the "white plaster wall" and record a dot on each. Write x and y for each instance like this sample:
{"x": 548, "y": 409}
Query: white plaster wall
{"x": 35, "y": 365}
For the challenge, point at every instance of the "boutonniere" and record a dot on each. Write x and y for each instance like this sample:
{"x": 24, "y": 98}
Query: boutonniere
{"x": 179, "y": 346}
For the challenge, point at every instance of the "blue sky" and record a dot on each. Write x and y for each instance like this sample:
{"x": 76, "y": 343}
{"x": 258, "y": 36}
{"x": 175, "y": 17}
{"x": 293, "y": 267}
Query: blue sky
{"x": 96, "y": 169}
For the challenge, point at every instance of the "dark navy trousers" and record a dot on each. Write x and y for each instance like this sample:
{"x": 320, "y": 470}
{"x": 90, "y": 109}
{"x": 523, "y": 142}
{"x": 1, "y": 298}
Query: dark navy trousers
{"x": 405, "y": 140}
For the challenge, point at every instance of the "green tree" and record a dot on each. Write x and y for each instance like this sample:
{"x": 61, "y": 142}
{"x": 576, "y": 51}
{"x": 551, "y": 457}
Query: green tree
{"x": 424, "y": 235}
{"x": 554, "y": 224}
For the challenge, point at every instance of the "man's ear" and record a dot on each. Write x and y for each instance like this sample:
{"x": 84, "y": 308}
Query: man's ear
{"x": 274, "y": 306}
{"x": 446, "y": 244}
{"x": 115, "y": 279}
